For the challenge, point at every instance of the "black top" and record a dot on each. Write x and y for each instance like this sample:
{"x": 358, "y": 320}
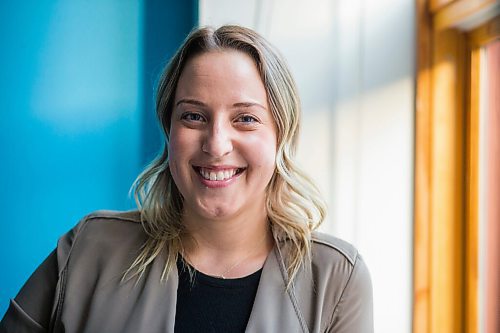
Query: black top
{"x": 210, "y": 304}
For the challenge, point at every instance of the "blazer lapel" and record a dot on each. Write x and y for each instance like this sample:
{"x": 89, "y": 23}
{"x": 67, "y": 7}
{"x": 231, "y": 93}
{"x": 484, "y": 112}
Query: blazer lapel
{"x": 156, "y": 301}
{"x": 172, "y": 284}
{"x": 274, "y": 309}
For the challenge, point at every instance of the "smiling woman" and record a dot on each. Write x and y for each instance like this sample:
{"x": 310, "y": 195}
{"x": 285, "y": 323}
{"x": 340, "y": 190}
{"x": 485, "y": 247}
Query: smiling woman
{"x": 223, "y": 239}
{"x": 221, "y": 117}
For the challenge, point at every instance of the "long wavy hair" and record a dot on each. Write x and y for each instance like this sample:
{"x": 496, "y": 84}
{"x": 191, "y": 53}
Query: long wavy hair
{"x": 294, "y": 205}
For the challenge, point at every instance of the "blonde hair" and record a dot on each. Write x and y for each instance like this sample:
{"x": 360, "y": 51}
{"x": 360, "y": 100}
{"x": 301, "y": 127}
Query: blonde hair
{"x": 294, "y": 205}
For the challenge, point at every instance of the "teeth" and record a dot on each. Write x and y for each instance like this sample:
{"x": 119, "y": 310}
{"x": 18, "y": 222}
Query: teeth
{"x": 217, "y": 175}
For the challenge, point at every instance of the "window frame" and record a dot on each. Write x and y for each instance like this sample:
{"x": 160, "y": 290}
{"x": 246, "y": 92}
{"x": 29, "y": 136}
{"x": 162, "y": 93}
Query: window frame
{"x": 446, "y": 162}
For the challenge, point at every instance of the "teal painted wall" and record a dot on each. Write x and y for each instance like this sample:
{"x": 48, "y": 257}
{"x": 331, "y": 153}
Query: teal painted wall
{"x": 76, "y": 114}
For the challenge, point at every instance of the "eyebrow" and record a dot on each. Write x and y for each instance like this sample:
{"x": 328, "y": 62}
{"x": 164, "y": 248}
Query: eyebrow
{"x": 190, "y": 101}
{"x": 235, "y": 105}
{"x": 248, "y": 105}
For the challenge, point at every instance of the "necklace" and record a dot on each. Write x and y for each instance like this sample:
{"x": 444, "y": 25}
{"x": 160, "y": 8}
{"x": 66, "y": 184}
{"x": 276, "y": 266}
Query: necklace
{"x": 223, "y": 275}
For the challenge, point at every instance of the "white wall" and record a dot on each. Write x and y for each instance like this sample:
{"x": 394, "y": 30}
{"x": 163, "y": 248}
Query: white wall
{"x": 354, "y": 65}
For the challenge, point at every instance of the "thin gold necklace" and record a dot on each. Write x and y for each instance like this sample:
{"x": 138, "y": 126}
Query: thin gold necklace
{"x": 223, "y": 275}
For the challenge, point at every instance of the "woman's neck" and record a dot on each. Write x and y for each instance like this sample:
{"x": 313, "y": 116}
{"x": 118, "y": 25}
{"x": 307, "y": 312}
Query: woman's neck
{"x": 215, "y": 246}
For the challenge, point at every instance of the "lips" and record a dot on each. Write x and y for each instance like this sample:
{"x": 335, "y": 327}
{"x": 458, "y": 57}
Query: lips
{"x": 218, "y": 173}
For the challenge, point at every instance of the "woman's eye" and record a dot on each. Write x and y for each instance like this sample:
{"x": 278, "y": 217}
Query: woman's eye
{"x": 247, "y": 119}
{"x": 192, "y": 117}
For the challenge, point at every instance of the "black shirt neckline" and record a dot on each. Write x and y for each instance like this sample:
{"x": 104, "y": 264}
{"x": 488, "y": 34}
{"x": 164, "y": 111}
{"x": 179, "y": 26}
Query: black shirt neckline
{"x": 200, "y": 277}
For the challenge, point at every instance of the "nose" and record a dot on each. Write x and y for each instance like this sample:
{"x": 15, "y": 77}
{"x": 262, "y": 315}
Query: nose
{"x": 218, "y": 141}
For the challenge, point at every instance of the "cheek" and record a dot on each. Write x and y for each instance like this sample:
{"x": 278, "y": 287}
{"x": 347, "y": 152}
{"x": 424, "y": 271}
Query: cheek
{"x": 269, "y": 161}
{"x": 180, "y": 145}
{"x": 173, "y": 165}
{"x": 263, "y": 153}
{"x": 178, "y": 152}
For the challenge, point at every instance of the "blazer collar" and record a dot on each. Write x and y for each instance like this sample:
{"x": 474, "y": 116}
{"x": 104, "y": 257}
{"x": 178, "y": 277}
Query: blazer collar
{"x": 274, "y": 310}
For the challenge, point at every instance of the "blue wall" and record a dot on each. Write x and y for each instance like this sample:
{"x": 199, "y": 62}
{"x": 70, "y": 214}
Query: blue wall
{"x": 76, "y": 107}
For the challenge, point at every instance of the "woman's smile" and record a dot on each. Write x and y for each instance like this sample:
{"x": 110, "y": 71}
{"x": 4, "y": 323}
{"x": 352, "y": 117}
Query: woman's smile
{"x": 222, "y": 147}
{"x": 218, "y": 176}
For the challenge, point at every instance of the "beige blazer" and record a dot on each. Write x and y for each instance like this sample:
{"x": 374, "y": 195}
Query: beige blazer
{"x": 78, "y": 287}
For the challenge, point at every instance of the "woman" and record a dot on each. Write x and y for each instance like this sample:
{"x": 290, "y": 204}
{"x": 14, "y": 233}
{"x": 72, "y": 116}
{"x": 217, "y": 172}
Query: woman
{"x": 223, "y": 240}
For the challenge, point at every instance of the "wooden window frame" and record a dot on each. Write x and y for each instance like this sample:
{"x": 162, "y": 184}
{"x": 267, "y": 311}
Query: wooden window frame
{"x": 446, "y": 163}
{"x": 476, "y": 40}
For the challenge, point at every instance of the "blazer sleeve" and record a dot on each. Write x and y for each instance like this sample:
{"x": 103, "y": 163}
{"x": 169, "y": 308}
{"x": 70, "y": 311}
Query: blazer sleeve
{"x": 30, "y": 311}
{"x": 33, "y": 308}
{"x": 354, "y": 311}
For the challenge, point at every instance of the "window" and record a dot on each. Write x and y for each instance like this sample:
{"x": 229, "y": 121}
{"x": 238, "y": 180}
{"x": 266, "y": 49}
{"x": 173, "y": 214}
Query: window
{"x": 457, "y": 169}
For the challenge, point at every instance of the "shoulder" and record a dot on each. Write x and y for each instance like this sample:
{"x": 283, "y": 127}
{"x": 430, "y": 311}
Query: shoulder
{"x": 342, "y": 284}
{"x": 101, "y": 234}
{"x": 92, "y": 258}
{"x": 111, "y": 217}
{"x": 337, "y": 261}
{"x": 105, "y": 222}
{"x": 327, "y": 247}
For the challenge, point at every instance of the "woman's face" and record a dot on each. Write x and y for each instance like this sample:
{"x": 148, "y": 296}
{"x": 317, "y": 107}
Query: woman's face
{"x": 223, "y": 137}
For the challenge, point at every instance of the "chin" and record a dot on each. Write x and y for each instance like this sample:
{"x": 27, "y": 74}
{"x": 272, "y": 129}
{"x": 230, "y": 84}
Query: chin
{"x": 218, "y": 213}
{"x": 214, "y": 211}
